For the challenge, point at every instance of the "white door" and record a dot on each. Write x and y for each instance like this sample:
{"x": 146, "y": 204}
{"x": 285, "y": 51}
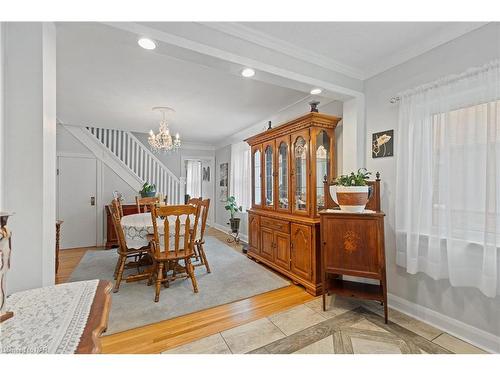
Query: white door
{"x": 77, "y": 201}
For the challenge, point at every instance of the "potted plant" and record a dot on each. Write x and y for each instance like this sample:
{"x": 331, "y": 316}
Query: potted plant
{"x": 233, "y": 207}
{"x": 351, "y": 192}
{"x": 148, "y": 190}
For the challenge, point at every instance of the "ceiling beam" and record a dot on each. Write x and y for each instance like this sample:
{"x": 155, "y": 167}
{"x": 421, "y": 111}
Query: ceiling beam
{"x": 254, "y": 36}
{"x": 304, "y": 77}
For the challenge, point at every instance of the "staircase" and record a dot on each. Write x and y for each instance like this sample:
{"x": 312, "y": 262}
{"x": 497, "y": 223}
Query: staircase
{"x": 131, "y": 160}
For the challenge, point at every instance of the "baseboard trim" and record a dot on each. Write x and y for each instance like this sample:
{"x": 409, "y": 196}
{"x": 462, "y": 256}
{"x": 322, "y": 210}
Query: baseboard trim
{"x": 222, "y": 228}
{"x": 466, "y": 332}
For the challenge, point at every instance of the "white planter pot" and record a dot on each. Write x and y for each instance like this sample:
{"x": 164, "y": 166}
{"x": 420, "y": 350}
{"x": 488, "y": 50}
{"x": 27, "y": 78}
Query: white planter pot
{"x": 350, "y": 198}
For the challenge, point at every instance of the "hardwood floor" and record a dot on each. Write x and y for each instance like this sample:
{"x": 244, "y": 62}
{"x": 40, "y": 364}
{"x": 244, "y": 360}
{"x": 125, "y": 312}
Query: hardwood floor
{"x": 158, "y": 337}
{"x": 68, "y": 260}
{"x": 167, "y": 334}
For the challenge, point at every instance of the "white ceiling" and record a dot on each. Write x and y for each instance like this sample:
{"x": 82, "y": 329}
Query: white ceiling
{"x": 105, "y": 79}
{"x": 366, "y": 47}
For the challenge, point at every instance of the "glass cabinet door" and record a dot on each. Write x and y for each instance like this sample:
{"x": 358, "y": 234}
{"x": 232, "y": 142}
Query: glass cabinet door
{"x": 269, "y": 174}
{"x": 301, "y": 172}
{"x": 257, "y": 175}
{"x": 282, "y": 145}
{"x": 322, "y": 156}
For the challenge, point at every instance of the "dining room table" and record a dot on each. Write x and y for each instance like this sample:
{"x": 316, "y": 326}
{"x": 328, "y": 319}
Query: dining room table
{"x": 138, "y": 228}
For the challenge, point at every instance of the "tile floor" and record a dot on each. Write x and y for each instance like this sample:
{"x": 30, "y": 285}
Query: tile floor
{"x": 364, "y": 335}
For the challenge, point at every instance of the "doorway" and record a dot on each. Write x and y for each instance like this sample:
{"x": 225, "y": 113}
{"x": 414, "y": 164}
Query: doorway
{"x": 200, "y": 176}
{"x": 77, "y": 206}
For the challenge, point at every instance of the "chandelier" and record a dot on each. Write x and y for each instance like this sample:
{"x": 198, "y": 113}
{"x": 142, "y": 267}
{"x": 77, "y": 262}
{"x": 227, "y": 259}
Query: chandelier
{"x": 163, "y": 141}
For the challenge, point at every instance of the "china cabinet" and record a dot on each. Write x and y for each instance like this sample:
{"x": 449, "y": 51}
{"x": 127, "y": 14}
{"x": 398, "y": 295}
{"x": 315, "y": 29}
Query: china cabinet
{"x": 289, "y": 164}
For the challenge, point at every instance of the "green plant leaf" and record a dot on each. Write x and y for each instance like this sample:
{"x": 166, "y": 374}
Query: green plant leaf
{"x": 354, "y": 179}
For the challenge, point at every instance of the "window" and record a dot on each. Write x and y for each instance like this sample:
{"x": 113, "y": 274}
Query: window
{"x": 241, "y": 186}
{"x": 448, "y": 180}
{"x": 466, "y": 147}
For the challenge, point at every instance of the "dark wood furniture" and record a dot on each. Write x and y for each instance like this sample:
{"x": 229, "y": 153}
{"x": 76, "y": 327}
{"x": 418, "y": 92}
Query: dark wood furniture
{"x": 124, "y": 252}
{"x": 111, "y": 237}
{"x": 58, "y": 238}
{"x": 167, "y": 251}
{"x": 289, "y": 163}
{"x": 97, "y": 322}
{"x": 353, "y": 245}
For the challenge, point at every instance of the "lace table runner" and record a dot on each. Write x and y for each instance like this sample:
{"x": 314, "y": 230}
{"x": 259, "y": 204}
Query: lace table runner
{"x": 47, "y": 320}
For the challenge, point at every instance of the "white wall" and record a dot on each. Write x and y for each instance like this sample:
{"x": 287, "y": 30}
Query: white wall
{"x": 223, "y": 155}
{"x": 467, "y": 305}
{"x": 30, "y": 177}
{"x": 68, "y": 145}
{"x": 2, "y": 115}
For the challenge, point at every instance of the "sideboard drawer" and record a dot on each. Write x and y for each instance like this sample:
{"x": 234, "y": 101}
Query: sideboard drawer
{"x": 275, "y": 224}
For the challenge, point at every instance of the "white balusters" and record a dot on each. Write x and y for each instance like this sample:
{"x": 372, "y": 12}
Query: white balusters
{"x": 140, "y": 161}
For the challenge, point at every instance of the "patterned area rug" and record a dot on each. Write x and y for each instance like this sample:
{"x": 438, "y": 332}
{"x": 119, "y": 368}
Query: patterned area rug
{"x": 234, "y": 277}
{"x": 359, "y": 331}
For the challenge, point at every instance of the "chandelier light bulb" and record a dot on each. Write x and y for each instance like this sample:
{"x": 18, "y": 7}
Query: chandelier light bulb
{"x": 316, "y": 91}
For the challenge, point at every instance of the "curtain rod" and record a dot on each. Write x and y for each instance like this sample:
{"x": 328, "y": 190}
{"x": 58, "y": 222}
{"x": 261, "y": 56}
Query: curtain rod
{"x": 451, "y": 78}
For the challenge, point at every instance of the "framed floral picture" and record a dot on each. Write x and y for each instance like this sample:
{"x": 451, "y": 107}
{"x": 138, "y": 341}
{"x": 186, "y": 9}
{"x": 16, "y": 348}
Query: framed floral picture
{"x": 383, "y": 144}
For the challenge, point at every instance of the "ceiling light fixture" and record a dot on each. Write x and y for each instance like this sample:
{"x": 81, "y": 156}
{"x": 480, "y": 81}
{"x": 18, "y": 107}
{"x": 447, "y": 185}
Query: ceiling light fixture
{"x": 248, "y": 72}
{"x": 163, "y": 141}
{"x": 316, "y": 91}
{"x": 147, "y": 43}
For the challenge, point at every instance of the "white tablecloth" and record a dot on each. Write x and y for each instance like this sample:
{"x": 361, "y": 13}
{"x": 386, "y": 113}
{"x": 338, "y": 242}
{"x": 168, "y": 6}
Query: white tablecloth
{"x": 47, "y": 320}
{"x": 138, "y": 228}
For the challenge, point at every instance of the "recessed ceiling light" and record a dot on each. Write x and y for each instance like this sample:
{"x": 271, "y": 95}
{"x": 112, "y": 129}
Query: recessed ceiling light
{"x": 147, "y": 43}
{"x": 316, "y": 91}
{"x": 248, "y": 72}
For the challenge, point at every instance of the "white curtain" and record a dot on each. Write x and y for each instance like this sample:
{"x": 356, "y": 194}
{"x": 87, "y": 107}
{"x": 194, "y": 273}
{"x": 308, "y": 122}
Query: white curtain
{"x": 448, "y": 180}
{"x": 240, "y": 177}
{"x": 193, "y": 178}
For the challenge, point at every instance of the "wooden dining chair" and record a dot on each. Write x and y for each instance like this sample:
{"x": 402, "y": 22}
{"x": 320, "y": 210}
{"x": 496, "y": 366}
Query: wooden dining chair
{"x": 196, "y": 202}
{"x": 145, "y": 203}
{"x": 124, "y": 253}
{"x": 176, "y": 244}
{"x": 117, "y": 203}
{"x": 199, "y": 241}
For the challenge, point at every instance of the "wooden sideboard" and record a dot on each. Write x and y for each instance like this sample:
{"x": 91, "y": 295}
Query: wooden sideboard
{"x": 111, "y": 238}
{"x": 353, "y": 245}
{"x": 289, "y": 163}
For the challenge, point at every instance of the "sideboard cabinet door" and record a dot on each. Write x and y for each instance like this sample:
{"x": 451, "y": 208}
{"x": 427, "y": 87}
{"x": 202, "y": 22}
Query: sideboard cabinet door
{"x": 254, "y": 233}
{"x": 282, "y": 245}
{"x": 267, "y": 243}
{"x": 301, "y": 251}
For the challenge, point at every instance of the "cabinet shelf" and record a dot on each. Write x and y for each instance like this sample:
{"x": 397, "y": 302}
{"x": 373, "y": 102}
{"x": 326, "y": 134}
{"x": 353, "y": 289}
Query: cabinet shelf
{"x": 355, "y": 290}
